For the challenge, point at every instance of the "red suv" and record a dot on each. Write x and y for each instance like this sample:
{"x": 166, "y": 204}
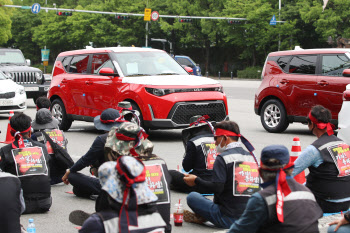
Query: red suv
{"x": 85, "y": 82}
{"x": 294, "y": 81}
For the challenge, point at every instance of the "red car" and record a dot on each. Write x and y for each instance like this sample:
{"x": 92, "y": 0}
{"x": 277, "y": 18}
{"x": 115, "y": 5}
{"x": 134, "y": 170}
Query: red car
{"x": 85, "y": 82}
{"x": 294, "y": 81}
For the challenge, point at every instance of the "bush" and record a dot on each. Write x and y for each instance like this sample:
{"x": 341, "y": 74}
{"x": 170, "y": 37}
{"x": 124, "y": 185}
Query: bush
{"x": 250, "y": 72}
{"x": 41, "y": 67}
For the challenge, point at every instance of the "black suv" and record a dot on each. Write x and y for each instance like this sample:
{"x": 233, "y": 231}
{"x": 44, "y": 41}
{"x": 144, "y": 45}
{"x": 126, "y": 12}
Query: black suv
{"x": 14, "y": 66}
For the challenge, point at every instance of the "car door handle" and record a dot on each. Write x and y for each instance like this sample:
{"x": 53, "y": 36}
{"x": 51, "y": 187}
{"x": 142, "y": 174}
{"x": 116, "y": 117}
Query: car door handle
{"x": 88, "y": 82}
{"x": 64, "y": 81}
{"x": 284, "y": 81}
{"x": 323, "y": 83}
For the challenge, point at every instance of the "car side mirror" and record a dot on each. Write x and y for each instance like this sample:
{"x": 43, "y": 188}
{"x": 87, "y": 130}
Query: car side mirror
{"x": 346, "y": 73}
{"x": 108, "y": 72}
{"x": 28, "y": 62}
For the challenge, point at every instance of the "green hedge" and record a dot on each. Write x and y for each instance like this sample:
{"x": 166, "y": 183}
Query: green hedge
{"x": 41, "y": 67}
{"x": 250, "y": 72}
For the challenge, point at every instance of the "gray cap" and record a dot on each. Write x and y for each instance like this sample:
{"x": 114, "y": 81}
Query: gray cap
{"x": 44, "y": 120}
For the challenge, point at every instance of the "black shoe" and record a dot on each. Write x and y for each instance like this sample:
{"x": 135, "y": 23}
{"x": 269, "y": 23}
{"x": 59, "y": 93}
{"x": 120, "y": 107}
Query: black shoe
{"x": 78, "y": 217}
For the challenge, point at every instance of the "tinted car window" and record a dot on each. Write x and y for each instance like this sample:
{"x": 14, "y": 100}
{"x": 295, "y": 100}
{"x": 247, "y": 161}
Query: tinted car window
{"x": 303, "y": 65}
{"x": 282, "y": 62}
{"x": 333, "y": 65}
{"x": 79, "y": 64}
{"x": 184, "y": 61}
{"x": 100, "y": 61}
{"x": 66, "y": 62}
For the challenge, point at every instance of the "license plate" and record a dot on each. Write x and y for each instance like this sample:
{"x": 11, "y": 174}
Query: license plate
{"x": 6, "y": 102}
{"x": 31, "y": 88}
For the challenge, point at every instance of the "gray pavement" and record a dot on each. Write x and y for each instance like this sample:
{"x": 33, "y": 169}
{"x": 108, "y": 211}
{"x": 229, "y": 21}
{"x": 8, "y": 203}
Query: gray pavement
{"x": 168, "y": 145}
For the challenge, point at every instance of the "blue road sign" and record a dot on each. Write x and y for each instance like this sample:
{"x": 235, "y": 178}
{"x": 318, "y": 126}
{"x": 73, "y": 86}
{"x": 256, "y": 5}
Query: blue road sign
{"x": 273, "y": 20}
{"x": 35, "y": 8}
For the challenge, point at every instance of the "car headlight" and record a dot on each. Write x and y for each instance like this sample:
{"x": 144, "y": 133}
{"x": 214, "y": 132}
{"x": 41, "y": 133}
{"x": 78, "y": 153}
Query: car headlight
{"x": 219, "y": 89}
{"x": 38, "y": 75}
{"x": 159, "y": 92}
{"x": 20, "y": 91}
{"x": 8, "y": 75}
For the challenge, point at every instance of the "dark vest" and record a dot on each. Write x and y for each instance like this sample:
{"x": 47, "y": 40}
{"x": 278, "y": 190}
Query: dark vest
{"x": 230, "y": 205}
{"x": 61, "y": 141}
{"x": 200, "y": 164}
{"x": 300, "y": 210}
{"x": 146, "y": 222}
{"x": 35, "y": 187}
{"x": 323, "y": 181}
{"x": 163, "y": 193}
{"x": 10, "y": 210}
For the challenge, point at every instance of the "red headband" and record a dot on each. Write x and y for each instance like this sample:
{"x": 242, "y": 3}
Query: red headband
{"x": 18, "y": 136}
{"x": 223, "y": 132}
{"x": 140, "y": 136}
{"x": 322, "y": 125}
{"x": 106, "y": 121}
{"x": 283, "y": 188}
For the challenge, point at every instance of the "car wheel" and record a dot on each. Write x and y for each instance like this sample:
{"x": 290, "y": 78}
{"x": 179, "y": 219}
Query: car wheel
{"x": 136, "y": 107}
{"x": 59, "y": 112}
{"x": 273, "y": 116}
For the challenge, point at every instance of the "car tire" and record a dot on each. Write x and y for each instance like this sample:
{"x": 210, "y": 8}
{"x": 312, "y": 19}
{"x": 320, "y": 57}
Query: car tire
{"x": 136, "y": 107}
{"x": 273, "y": 116}
{"x": 59, "y": 112}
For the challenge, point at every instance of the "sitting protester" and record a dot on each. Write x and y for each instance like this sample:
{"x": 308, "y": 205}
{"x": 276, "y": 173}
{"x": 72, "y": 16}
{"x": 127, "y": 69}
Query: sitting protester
{"x": 228, "y": 185}
{"x": 42, "y": 102}
{"x": 131, "y": 204}
{"x": 47, "y": 132}
{"x": 130, "y": 140}
{"x": 11, "y": 202}
{"x": 200, "y": 154}
{"x": 85, "y": 186}
{"x": 329, "y": 178}
{"x": 29, "y": 161}
{"x": 283, "y": 205}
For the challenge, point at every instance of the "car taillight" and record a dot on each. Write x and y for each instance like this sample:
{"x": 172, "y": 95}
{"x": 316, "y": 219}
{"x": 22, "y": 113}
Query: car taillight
{"x": 346, "y": 95}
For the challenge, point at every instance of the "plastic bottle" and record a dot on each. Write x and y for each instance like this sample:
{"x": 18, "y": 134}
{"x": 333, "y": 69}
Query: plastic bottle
{"x": 178, "y": 215}
{"x": 31, "y": 226}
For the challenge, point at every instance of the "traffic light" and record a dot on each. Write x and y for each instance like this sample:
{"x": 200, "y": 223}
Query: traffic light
{"x": 122, "y": 17}
{"x": 60, "y": 13}
{"x": 234, "y": 21}
{"x": 186, "y": 20}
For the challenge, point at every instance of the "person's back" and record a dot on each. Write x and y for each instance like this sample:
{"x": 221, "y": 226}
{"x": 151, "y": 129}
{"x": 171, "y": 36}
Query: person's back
{"x": 327, "y": 159}
{"x": 116, "y": 146}
{"x": 11, "y": 208}
{"x": 138, "y": 210}
{"x": 301, "y": 213}
{"x": 46, "y": 131}
{"x": 29, "y": 161}
{"x": 283, "y": 205}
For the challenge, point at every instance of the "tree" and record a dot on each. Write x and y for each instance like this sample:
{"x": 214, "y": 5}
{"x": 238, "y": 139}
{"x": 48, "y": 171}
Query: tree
{"x": 5, "y": 22}
{"x": 333, "y": 21}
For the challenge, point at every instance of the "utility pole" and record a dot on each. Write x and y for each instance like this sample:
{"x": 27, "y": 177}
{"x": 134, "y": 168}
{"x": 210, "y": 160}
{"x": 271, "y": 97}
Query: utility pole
{"x": 279, "y": 19}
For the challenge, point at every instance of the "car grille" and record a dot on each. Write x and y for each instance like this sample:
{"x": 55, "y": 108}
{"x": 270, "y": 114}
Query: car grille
{"x": 7, "y": 95}
{"x": 23, "y": 77}
{"x": 183, "y": 112}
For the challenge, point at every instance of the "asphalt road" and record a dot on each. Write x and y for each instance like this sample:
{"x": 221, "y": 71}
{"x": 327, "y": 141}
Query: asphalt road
{"x": 168, "y": 145}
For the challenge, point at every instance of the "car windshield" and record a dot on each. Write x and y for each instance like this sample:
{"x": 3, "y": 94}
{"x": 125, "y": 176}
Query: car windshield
{"x": 10, "y": 57}
{"x": 148, "y": 63}
{"x": 2, "y": 76}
